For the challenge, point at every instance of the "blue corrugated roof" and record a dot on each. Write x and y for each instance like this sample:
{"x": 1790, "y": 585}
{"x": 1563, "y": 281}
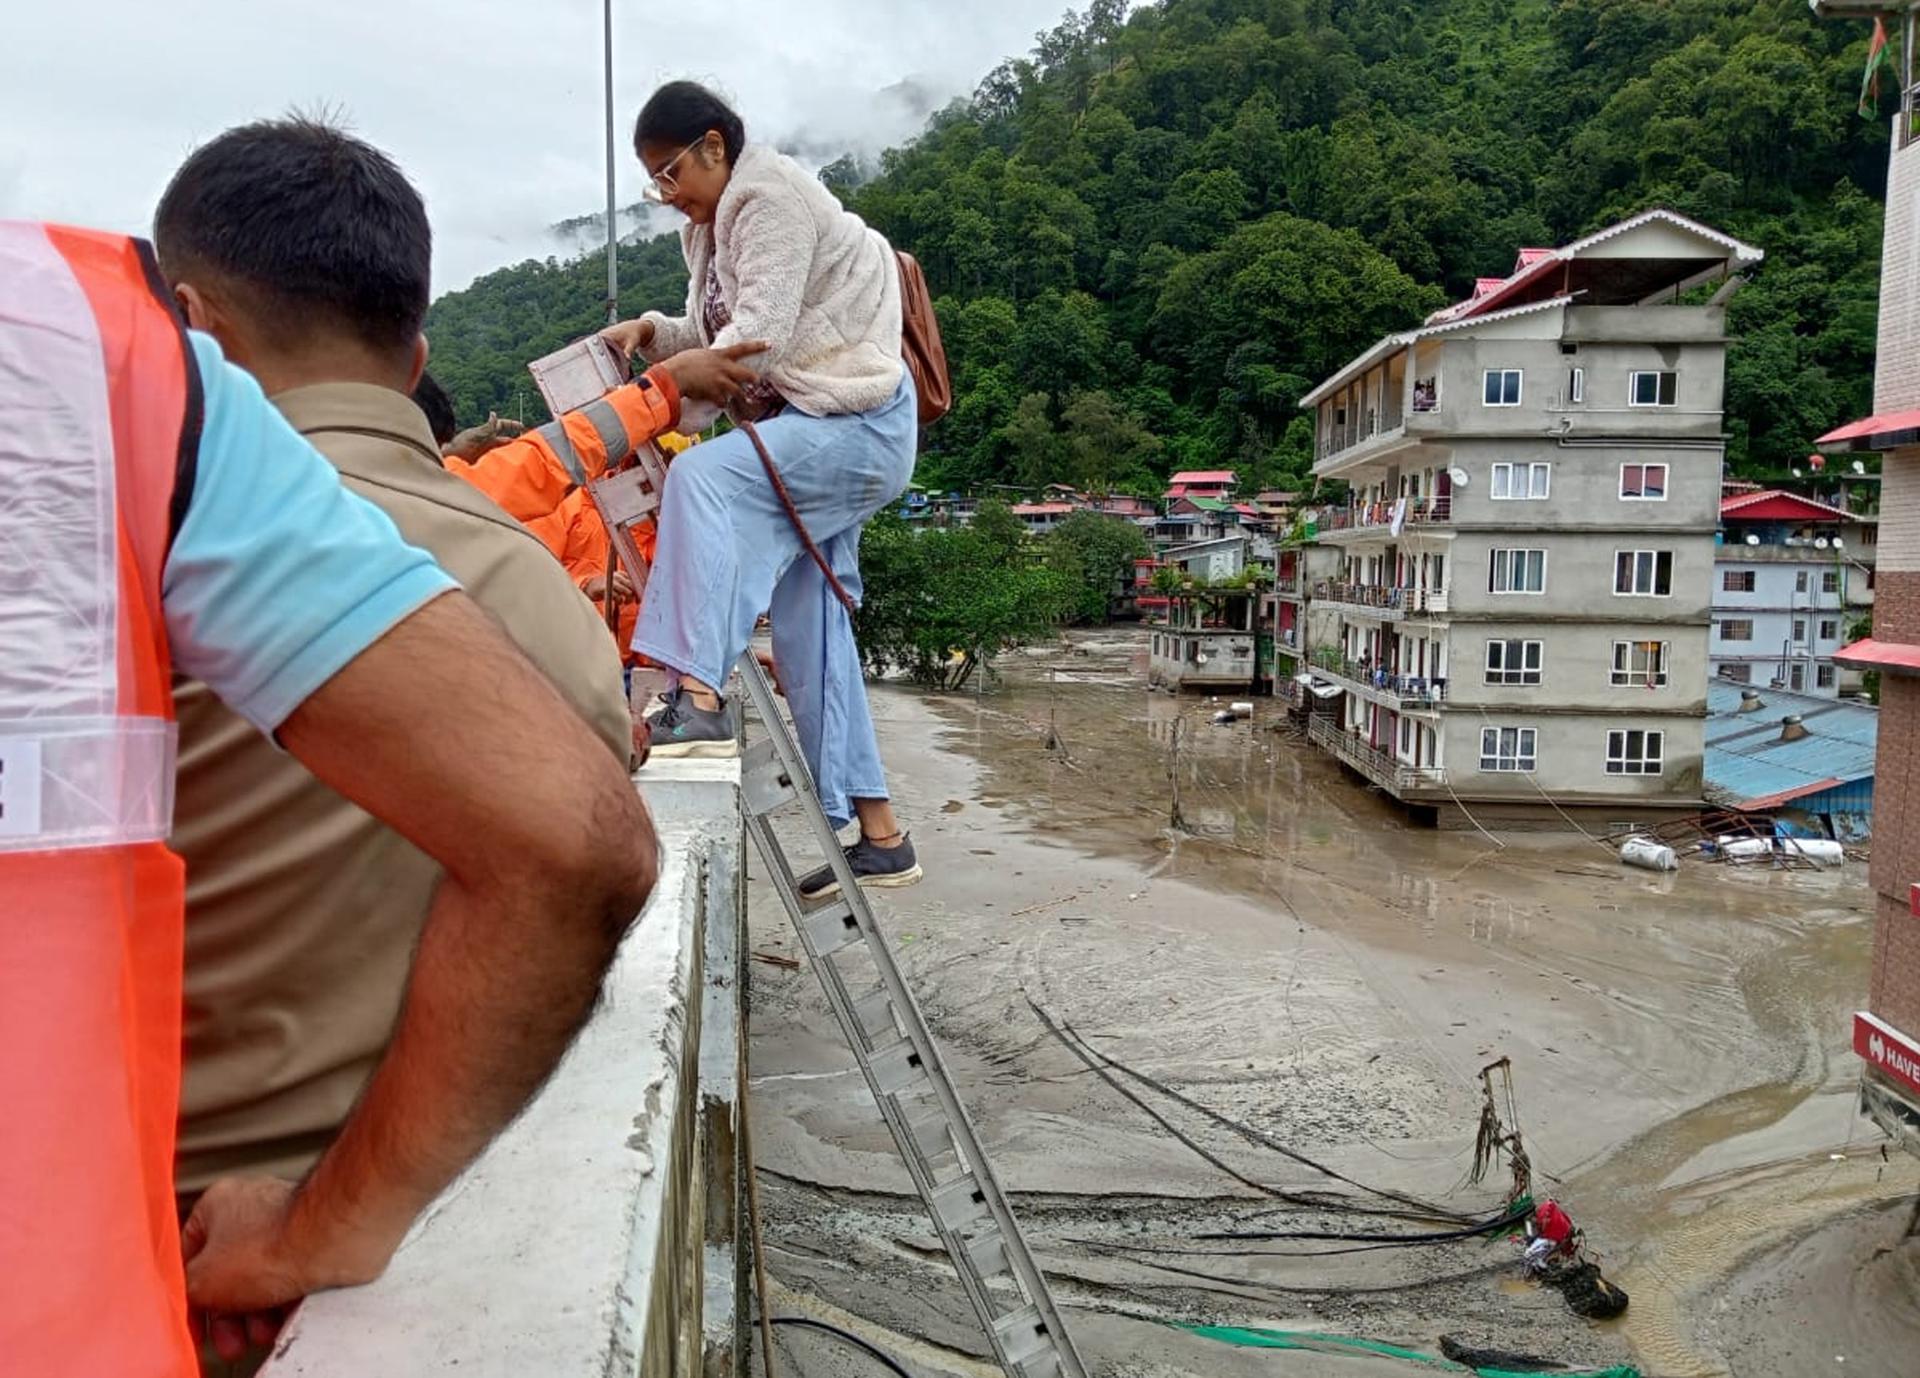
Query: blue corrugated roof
{"x": 1748, "y": 763}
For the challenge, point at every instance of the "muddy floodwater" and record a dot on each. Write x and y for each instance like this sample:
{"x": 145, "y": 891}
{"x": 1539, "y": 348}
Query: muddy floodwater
{"x": 1299, "y": 959}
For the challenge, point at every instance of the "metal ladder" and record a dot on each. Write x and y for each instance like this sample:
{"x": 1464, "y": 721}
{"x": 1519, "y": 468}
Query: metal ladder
{"x": 902, "y": 1065}
{"x": 883, "y": 1024}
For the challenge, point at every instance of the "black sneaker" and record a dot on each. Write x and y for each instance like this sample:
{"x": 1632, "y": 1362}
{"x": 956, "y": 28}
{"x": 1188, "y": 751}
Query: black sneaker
{"x": 883, "y": 867}
{"x": 684, "y": 729}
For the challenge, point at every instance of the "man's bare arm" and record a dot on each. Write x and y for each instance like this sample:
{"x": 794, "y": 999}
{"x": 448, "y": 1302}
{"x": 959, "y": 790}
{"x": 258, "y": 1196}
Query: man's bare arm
{"x": 445, "y": 732}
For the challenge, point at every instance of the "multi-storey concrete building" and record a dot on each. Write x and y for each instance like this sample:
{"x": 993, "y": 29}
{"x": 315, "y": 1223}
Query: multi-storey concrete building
{"x": 1782, "y": 591}
{"x": 1886, "y": 1034}
{"x": 1530, "y": 546}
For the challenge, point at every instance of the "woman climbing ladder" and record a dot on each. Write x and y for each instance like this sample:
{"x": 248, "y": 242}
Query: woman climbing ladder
{"x": 772, "y": 256}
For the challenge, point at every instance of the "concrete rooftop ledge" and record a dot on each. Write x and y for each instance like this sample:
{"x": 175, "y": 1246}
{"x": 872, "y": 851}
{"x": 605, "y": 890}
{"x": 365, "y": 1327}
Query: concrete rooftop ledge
{"x": 584, "y": 1240}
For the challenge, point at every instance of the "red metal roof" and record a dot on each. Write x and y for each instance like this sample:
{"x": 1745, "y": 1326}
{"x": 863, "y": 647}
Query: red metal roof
{"x": 1873, "y": 654}
{"x": 1529, "y": 257}
{"x": 1203, "y": 476}
{"x": 1774, "y": 505}
{"x": 1883, "y": 432}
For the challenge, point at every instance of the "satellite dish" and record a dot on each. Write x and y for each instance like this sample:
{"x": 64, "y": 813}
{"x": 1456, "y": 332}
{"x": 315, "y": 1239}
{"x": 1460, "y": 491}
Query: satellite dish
{"x": 1819, "y": 542}
{"x": 1752, "y": 539}
{"x": 1839, "y": 544}
{"x": 1858, "y": 467}
{"x": 1796, "y": 472}
{"x": 1458, "y": 475}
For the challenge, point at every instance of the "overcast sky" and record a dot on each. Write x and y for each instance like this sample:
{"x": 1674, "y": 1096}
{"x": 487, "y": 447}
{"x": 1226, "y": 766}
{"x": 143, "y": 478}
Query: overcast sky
{"x": 493, "y": 107}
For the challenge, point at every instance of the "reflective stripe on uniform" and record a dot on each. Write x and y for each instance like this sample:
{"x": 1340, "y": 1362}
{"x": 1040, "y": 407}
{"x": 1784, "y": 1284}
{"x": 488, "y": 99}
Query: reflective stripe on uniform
{"x": 555, "y": 434}
{"x": 607, "y": 428}
{"x": 611, "y": 430}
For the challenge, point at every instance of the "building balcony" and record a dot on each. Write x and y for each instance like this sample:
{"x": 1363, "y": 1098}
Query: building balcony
{"x": 1384, "y": 521}
{"x": 1395, "y": 776}
{"x": 1380, "y": 602}
{"x": 1356, "y": 447}
{"x": 1407, "y": 693}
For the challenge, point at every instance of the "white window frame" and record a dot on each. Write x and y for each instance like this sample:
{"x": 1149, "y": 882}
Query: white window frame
{"x": 1530, "y": 651}
{"x": 1624, "y": 675}
{"x": 1652, "y": 590}
{"x": 1829, "y": 581}
{"x": 1495, "y": 563}
{"x": 1652, "y": 757}
{"x": 1534, "y": 474}
{"x": 1751, "y": 577}
{"x": 1826, "y": 675}
{"x": 1799, "y": 581}
{"x": 1576, "y": 385}
{"x": 1523, "y": 759}
{"x": 1827, "y": 622}
{"x": 1799, "y": 629}
{"x": 1666, "y": 475}
{"x": 1657, "y": 374}
{"x": 1742, "y": 672}
{"x": 1519, "y": 385}
{"x": 1797, "y": 676}
{"x": 1725, "y": 622}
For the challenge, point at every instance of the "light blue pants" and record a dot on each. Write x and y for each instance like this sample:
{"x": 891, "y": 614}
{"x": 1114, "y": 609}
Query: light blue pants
{"x": 728, "y": 552}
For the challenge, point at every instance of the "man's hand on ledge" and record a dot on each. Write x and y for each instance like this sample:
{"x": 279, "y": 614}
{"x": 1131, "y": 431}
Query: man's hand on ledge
{"x": 248, "y": 1258}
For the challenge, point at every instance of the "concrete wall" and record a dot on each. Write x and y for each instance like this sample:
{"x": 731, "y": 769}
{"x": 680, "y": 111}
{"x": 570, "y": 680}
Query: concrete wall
{"x": 595, "y": 1237}
{"x": 1688, "y": 341}
{"x": 1577, "y": 668}
{"x": 1572, "y": 756}
{"x": 1580, "y": 579}
{"x": 1584, "y": 485}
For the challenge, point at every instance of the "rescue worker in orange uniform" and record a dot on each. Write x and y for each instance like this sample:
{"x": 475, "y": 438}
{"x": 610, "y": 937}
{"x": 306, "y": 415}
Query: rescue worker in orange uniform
{"x": 157, "y": 514}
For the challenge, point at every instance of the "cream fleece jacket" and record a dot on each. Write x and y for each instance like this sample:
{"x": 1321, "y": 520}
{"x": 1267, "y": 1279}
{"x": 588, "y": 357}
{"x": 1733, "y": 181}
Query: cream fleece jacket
{"x": 803, "y": 273}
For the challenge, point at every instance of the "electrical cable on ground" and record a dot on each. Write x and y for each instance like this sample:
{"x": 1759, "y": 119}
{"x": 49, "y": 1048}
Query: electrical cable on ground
{"x": 1098, "y": 1063}
{"x": 878, "y": 1354}
{"x": 1426, "y": 1209}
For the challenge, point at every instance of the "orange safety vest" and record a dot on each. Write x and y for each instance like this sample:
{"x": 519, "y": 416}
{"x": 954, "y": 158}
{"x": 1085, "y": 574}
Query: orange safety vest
{"x": 99, "y": 411}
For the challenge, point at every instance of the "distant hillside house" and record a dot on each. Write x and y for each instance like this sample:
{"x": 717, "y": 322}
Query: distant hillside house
{"x": 1042, "y": 517}
{"x": 1202, "y": 483}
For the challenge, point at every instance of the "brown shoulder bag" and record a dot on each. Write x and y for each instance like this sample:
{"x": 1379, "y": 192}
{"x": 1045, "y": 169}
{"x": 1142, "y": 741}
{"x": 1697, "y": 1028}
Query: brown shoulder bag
{"x": 920, "y": 346}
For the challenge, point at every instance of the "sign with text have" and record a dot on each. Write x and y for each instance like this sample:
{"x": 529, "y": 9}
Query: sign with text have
{"x": 1885, "y": 1047}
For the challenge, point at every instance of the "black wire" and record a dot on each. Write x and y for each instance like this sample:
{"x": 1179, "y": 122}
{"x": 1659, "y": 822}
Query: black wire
{"x": 1505, "y": 1220}
{"x": 856, "y": 1341}
{"x": 1071, "y": 1038}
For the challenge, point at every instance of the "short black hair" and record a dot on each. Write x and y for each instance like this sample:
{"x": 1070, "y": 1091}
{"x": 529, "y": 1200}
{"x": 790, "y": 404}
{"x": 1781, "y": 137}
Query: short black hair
{"x": 681, "y": 112}
{"x": 314, "y": 225}
{"x": 432, "y": 399}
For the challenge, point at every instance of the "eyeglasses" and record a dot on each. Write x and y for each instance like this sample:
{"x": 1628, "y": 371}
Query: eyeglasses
{"x": 664, "y": 184}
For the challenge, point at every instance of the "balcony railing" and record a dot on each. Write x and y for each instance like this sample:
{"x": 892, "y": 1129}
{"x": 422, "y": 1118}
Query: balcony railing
{"x": 1368, "y": 516}
{"x": 1377, "y": 765}
{"x": 1382, "y": 600}
{"x": 1382, "y": 684}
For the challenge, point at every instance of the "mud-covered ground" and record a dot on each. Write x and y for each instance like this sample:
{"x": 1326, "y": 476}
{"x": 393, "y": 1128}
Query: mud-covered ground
{"x": 1300, "y": 959}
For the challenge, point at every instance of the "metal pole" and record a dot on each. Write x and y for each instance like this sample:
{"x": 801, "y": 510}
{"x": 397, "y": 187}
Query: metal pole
{"x": 613, "y": 231}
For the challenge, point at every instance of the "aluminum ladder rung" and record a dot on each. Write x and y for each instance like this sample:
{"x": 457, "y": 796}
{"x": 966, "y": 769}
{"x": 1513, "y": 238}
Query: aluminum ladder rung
{"x": 901, "y": 1063}
{"x": 831, "y": 927}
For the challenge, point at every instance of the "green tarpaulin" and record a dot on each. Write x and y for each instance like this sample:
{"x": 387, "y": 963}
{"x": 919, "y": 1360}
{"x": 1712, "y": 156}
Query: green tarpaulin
{"x": 1249, "y": 1337}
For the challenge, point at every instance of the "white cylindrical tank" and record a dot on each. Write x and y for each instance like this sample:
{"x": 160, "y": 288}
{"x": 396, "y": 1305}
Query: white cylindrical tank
{"x": 1648, "y": 855}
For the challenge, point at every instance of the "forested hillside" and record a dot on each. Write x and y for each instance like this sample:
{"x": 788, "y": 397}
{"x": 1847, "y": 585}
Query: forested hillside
{"x": 1151, "y": 235}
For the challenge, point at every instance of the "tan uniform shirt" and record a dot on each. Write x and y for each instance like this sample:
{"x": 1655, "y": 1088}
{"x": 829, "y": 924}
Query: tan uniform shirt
{"x": 302, "y": 911}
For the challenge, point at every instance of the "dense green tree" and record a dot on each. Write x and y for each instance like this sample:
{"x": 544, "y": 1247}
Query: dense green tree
{"x": 1093, "y": 553}
{"x": 941, "y": 603}
{"x": 1197, "y": 208}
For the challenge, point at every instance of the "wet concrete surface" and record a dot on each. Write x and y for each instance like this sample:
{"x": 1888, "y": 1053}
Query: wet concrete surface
{"x": 1300, "y": 958}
